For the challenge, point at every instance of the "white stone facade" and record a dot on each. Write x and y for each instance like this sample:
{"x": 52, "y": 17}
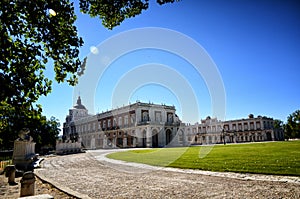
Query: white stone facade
{"x": 136, "y": 125}
{"x": 67, "y": 147}
{"x": 152, "y": 125}
{"x": 213, "y": 131}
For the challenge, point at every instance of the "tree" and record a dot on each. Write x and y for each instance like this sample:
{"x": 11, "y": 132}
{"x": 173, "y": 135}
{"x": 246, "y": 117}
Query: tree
{"x": 30, "y": 37}
{"x": 292, "y": 127}
{"x": 34, "y": 33}
{"x": 278, "y": 124}
{"x": 46, "y": 134}
{"x": 114, "y": 12}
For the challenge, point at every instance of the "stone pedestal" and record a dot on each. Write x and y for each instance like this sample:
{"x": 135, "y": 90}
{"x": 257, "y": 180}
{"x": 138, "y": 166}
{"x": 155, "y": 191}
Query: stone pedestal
{"x": 24, "y": 152}
{"x": 27, "y": 184}
{"x": 10, "y": 173}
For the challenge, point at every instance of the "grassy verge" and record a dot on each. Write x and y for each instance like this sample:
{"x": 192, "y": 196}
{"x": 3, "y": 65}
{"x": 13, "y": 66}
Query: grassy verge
{"x": 4, "y": 163}
{"x": 281, "y": 158}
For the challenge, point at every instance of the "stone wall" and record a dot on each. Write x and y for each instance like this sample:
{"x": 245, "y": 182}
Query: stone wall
{"x": 68, "y": 147}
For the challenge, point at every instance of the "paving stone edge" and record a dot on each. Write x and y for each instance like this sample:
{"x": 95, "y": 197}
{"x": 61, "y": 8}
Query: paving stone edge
{"x": 60, "y": 187}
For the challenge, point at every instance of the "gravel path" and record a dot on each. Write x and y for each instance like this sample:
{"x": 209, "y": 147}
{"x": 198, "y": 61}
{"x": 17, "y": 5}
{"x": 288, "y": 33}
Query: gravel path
{"x": 12, "y": 192}
{"x": 91, "y": 175}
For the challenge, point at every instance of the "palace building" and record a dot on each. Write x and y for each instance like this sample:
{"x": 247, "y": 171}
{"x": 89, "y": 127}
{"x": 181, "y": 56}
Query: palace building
{"x": 153, "y": 125}
{"x": 250, "y": 129}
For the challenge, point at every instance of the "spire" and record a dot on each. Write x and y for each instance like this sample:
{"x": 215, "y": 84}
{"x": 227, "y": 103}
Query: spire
{"x": 78, "y": 104}
{"x": 79, "y": 101}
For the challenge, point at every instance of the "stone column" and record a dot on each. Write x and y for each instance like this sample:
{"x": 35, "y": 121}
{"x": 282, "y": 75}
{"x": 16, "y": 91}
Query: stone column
{"x": 104, "y": 141}
{"x": 163, "y": 137}
{"x": 93, "y": 142}
{"x": 138, "y": 115}
{"x": 272, "y": 135}
{"x": 114, "y": 144}
{"x": 160, "y": 138}
{"x": 174, "y": 140}
{"x": 148, "y": 137}
{"x": 139, "y": 137}
{"x": 124, "y": 142}
{"x": 184, "y": 137}
{"x": 134, "y": 141}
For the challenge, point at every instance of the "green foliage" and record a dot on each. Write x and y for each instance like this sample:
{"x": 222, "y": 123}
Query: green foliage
{"x": 35, "y": 34}
{"x": 114, "y": 12}
{"x": 46, "y": 133}
{"x": 278, "y": 124}
{"x": 292, "y": 128}
{"x": 14, "y": 119}
{"x": 30, "y": 38}
{"x": 282, "y": 158}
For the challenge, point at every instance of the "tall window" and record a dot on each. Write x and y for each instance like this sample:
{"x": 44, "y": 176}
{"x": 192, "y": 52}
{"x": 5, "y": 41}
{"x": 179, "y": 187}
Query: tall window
{"x": 214, "y": 129}
{"x": 132, "y": 118}
{"x": 251, "y": 126}
{"x": 245, "y": 126}
{"x": 234, "y": 127}
{"x": 240, "y": 126}
{"x": 157, "y": 116}
{"x": 258, "y": 125}
{"x": 170, "y": 117}
{"x": 145, "y": 116}
{"x": 226, "y": 127}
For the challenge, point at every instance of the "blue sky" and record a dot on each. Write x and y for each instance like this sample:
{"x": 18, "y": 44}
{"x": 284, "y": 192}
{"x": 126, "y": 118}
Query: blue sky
{"x": 254, "y": 44}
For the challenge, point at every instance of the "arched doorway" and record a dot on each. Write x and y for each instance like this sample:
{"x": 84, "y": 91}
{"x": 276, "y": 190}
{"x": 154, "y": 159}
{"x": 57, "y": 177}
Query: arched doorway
{"x": 154, "y": 138}
{"x": 269, "y": 137}
{"x": 168, "y": 136}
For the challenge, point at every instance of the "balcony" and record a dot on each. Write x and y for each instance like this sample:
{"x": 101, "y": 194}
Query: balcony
{"x": 172, "y": 123}
{"x": 143, "y": 123}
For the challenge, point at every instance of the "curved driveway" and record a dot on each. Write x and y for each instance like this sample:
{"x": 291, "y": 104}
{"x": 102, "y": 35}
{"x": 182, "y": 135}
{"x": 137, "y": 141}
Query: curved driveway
{"x": 91, "y": 175}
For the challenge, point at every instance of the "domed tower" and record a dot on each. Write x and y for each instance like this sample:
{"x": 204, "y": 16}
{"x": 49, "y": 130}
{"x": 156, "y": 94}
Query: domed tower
{"x": 77, "y": 112}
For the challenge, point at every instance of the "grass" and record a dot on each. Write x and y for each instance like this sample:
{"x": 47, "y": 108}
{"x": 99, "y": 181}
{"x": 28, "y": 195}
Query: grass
{"x": 280, "y": 158}
{"x": 4, "y": 163}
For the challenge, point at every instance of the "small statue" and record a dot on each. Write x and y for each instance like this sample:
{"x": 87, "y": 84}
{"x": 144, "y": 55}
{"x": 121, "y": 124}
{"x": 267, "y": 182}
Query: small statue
{"x": 24, "y": 135}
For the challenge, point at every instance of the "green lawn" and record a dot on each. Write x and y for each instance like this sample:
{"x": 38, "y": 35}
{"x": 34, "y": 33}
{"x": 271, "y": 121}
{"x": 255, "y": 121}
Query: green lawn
{"x": 281, "y": 158}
